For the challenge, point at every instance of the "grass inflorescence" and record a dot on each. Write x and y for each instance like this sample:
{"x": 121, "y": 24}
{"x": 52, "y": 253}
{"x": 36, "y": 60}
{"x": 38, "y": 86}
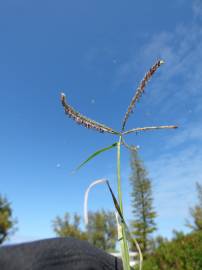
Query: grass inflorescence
{"x": 83, "y": 120}
{"x": 123, "y": 230}
{"x": 140, "y": 90}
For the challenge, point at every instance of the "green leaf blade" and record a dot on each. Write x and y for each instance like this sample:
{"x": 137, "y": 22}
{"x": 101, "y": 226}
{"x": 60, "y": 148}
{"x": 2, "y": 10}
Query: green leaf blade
{"x": 94, "y": 155}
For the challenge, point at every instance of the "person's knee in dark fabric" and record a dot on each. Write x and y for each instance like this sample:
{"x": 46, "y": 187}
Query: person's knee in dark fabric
{"x": 57, "y": 254}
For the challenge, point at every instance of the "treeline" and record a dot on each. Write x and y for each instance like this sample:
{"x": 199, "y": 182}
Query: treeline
{"x": 101, "y": 230}
{"x": 183, "y": 252}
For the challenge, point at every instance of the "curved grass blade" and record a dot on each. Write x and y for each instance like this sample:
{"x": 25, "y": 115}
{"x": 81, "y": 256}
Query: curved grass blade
{"x": 95, "y": 154}
{"x": 122, "y": 223}
{"x": 140, "y": 90}
{"x": 120, "y": 219}
{"x": 129, "y": 147}
{"x": 94, "y": 183}
{"x": 122, "y": 227}
{"x": 83, "y": 120}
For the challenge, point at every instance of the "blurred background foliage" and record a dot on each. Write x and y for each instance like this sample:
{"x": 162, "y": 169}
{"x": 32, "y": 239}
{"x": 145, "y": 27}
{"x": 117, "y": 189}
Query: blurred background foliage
{"x": 7, "y": 222}
{"x": 182, "y": 252}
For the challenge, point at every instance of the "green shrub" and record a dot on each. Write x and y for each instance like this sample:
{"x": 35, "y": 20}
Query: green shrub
{"x": 184, "y": 252}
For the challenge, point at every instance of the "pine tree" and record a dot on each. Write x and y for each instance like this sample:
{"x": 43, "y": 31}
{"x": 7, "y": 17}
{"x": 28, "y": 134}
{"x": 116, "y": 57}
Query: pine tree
{"x": 143, "y": 223}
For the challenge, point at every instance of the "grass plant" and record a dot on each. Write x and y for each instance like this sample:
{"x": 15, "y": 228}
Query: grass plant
{"x": 123, "y": 231}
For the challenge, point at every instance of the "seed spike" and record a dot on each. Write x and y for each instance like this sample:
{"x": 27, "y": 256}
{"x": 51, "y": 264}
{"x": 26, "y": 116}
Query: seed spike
{"x": 83, "y": 120}
{"x": 148, "y": 128}
{"x": 140, "y": 90}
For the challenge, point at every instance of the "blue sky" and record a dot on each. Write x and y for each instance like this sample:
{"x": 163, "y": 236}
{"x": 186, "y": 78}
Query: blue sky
{"x": 97, "y": 52}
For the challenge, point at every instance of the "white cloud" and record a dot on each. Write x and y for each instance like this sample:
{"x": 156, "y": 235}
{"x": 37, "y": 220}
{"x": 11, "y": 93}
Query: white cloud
{"x": 179, "y": 82}
{"x": 177, "y": 91}
{"x": 190, "y": 134}
{"x": 181, "y": 78}
{"x": 174, "y": 186}
{"x": 197, "y": 8}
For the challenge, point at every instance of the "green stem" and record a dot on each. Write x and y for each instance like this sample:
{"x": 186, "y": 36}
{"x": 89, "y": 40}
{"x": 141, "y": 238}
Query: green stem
{"x": 123, "y": 240}
{"x": 119, "y": 174}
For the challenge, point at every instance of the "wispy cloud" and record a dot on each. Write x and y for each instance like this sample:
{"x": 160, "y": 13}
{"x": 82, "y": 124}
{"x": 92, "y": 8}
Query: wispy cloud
{"x": 197, "y": 8}
{"x": 189, "y": 134}
{"x": 174, "y": 186}
{"x": 180, "y": 82}
{"x": 177, "y": 93}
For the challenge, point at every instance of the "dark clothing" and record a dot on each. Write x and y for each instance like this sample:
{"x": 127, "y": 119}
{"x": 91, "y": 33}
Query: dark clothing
{"x": 56, "y": 254}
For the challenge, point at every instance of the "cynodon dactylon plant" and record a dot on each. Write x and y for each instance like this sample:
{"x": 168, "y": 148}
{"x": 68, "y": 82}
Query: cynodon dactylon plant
{"x": 123, "y": 231}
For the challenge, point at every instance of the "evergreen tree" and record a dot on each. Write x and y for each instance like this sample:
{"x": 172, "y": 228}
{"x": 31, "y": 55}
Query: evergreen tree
{"x": 68, "y": 226}
{"x": 196, "y": 211}
{"x": 102, "y": 230}
{"x": 7, "y": 222}
{"x": 143, "y": 223}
